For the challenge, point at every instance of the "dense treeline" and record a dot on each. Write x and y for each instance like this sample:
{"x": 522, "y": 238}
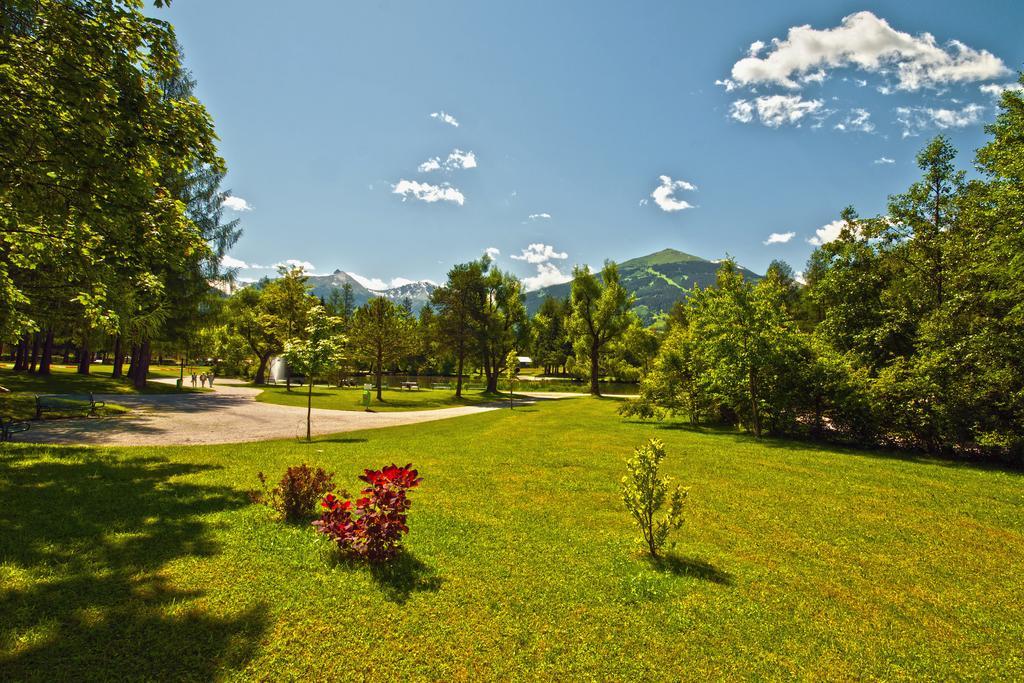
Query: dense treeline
{"x": 907, "y": 333}
{"x": 110, "y": 208}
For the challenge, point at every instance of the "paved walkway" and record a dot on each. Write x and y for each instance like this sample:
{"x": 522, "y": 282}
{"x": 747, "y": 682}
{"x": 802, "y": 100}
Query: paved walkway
{"x": 229, "y": 414}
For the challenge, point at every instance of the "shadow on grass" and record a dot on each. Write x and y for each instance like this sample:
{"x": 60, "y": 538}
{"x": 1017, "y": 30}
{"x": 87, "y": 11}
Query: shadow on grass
{"x": 398, "y": 579}
{"x": 795, "y": 444}
{"x": 691, "y": 566}
{"x": 84, "y": 542}
{"x": 339, "y": 439}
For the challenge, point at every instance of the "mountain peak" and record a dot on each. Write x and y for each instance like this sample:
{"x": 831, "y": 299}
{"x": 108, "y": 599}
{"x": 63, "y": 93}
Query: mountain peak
{"x": 663, "y": 257}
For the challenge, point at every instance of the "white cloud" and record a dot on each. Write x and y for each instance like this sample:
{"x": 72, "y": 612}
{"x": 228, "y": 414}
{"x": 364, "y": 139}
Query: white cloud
{"x": 727, "y": 84}
{"x": 858, "y": 120}
{"x": 231, "y": 262}
{"x": 780, "y": 237}
{"x": 774, "y": 110}
{"x": 376, "y": 284}
{"x": 539, "y": 216}
{"x": 755, "y": 48}
{"x": 916, "y": 119}
{"x": 428, "y": 193}
{"x": 493, "y": 252}
{"x": 742, "y": 111}
{"x": 867, "y": 42}
{"x": 444, "y": 116}
{"x": 664, "y": 194}
{"x": 884, "y": 160}
{"x": 547, "y": 274}
{"x": 997, "y": 89}
{"x": 456, "y": 160}
{"x": 539, "y": 253}
{"x": 306, "y": 266}
{"x": 236, "y": 203}
{"x": 827, "y": 233}
{"x": 432, "y": 164}
{"x": 643, "y": 202}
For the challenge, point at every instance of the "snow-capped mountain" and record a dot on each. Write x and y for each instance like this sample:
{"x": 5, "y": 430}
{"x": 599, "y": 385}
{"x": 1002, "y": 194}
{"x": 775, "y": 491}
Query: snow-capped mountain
{"x": 418, "y": 293}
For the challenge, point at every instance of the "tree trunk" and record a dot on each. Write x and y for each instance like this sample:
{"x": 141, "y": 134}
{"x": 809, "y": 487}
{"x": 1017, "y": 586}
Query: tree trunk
{"x": 84, "y": 358}
{"x": 309, "y": 407}
{"x": 118, "y": 358}
{"x": 47, "y": 358}
{"x": 458, "y": 372}
{"x": 33, "y": 359}
{"x": 261, "y": 371}
{"x": 595, "y": 388}
{"x": 141, "y": 372}
{"x": 380, "y": 372}
{"x": 20, "y": 353}
{"x": 755, "y": 416}
{"x": 133, "y": 362}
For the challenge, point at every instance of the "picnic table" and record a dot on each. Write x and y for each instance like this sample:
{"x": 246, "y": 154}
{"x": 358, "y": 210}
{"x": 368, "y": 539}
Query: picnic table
{"x": 66, "y": 403}
{"x": 410, "y": 386}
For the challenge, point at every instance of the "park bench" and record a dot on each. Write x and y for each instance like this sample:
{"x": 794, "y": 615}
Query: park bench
{"x": 66, "y": 403}
{"x": 10, "y": 426}
{"x": 410, "y": 386}
{"x": 441, "y": 385}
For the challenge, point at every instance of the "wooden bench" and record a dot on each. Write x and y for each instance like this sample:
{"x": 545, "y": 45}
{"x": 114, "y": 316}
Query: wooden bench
{"x": 9, "y": 426}
{"x": 410, "y": 386}
{"x": 67, "y": 403}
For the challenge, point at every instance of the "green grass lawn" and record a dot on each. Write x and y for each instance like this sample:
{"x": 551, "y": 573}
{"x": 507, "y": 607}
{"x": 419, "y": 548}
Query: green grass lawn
{"x": 349, "y": 398}
{"x": 794, "y": 562}
{"x": 20, "y": 403}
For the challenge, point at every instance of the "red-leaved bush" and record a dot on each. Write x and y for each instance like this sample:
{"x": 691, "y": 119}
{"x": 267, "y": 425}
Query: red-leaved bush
{"x": 373, "y": 529}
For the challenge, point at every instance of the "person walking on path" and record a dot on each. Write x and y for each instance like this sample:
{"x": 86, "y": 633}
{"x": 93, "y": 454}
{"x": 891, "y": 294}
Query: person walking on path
{"x": 211, "y": 379}
{"x": 193, "y": 379}
{"x": 202, "y": 380}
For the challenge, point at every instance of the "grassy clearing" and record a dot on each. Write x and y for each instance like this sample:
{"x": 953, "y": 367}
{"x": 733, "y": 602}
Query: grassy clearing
{"x": 20, "y": 403}
{"x": 795, "y": 561}
{"x": 348, "y": 398}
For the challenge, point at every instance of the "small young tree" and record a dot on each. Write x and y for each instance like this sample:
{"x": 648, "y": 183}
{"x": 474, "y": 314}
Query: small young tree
{"x": 511, "y": 368}
{"x": 644, "y": 492}
{"x": 314, "y": 354}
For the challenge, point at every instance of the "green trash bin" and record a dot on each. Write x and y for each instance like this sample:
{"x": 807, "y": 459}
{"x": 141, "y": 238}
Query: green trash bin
{"x": 177, "y": 382}
{"x": 366, "y": 399}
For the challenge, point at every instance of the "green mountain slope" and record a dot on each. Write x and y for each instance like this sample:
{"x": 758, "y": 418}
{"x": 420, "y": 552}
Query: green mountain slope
{"x": 658, "y": 280}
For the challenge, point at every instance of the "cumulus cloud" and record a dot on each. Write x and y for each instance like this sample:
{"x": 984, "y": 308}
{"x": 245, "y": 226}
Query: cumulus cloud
{"x": 236, "y": 203}
{"x": 231, "y": 262}
{"x": 858, "y": 120}
{"x": 780, "y": 237}
{"x": 539, "y": 253}
{"x": 997, "y": 89}
{"x": 296, "y": 263}
{"x": 774, "y": 110}
{"x": 547, "y": 274}
{"x": 426, "y": 192}
{"x": 445, "y": 117}
{"x": 916, "y": 119}
{"x": 539, "y": 216}
{"x": 827, "y": 233}
{"x": 884, "y": 160}
{"x": 868, "y": 43}
{"x": 664, "y": 194}
{"x": 493, "y": 252}
{"x": 376, "y": 284}
{"x": 457, "y": 159}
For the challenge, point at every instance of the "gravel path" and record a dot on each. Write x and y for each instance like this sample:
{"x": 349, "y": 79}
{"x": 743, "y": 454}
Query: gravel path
{"x": 230, "y": 414}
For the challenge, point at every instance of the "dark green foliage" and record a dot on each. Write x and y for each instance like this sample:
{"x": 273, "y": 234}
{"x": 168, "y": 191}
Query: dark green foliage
{"x": 297, "y": 494}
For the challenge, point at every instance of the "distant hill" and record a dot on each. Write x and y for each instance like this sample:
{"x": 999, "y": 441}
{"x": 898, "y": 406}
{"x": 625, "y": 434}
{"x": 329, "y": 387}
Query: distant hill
{"x": 658, "y": 280}
{"x": 417, "y": 292}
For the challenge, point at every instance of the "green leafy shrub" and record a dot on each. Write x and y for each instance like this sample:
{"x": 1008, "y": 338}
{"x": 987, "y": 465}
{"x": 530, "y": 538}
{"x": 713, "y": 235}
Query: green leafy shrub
{"x": 298, "y": 492}
{"x": 644, "y": 492}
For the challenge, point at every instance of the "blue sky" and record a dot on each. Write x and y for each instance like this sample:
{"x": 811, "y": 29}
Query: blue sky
{"x": 336, "y": 121}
